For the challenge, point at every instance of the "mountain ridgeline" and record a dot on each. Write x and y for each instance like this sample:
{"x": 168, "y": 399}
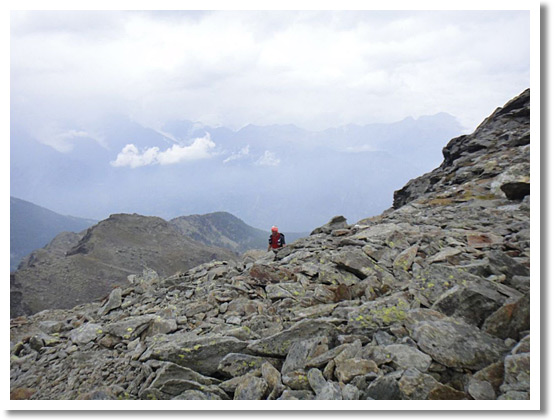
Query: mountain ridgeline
{"x": 32, "y": 227}
{"x": 429, "y": 300}
{"x": 279, "y": 174}
{"x": 224, "y": 230}
{"x": 103, "y": 256}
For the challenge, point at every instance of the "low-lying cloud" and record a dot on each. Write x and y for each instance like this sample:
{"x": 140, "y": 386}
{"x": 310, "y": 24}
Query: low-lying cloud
{"x": 268, "y": 159}
{"x": 238, "y": 155}
{"x": 201, "y": 148}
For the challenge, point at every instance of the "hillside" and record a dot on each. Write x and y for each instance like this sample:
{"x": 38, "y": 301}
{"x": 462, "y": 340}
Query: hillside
{"x": 224, "y": 230}
{"x": 428, "y": 301}
{"x": 33, "y": 227}
{"x": 75, "y": 269}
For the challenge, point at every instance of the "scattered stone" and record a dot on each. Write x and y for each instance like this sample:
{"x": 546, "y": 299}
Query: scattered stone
{"x": 85, "y": 333}
{"x": 280, "y": 343}
{"x": 251, "y": 388}
{"x": 348, "y": 369}
{"x": 113, "y": 302}
{"x": 509, "y": 320}
{"x": 238, "y": 364}
{"x": 405, "y": 357}
{"x": 456, "y": 344}
{"x": 481, "y": 390}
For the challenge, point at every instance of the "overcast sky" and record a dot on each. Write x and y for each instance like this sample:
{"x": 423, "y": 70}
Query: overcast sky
{"x": 315, "y": 69}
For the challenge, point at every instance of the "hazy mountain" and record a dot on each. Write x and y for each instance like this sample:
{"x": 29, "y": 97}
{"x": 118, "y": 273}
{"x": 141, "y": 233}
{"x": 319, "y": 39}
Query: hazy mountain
{"x": 280, "y": 174}
{"x": 225, "y": 230}
{"x": 33, "y": 227}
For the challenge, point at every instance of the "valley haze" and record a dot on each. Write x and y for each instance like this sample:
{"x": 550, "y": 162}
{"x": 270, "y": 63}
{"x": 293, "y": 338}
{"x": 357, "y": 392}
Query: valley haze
{"x": 277, "y": 117}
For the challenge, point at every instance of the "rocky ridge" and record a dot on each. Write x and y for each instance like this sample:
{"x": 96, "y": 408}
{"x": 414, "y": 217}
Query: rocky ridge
{"x": 78, "y": 268}
{"x": 224, "y": 230}
{"x": 428, "y": 301}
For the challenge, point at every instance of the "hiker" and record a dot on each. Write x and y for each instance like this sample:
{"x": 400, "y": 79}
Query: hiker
{"x": 276, "y": 240}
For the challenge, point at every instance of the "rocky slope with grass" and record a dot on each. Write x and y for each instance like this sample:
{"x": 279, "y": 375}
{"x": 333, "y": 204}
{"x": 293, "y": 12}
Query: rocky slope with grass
{"x": 427, "y": 301}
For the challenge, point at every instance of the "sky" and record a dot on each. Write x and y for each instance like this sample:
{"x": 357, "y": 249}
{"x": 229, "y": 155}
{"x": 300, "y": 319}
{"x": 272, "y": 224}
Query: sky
{"x": 315, "y": 69}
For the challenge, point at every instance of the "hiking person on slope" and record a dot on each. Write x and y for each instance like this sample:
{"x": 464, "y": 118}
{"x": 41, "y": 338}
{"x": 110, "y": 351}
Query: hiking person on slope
{"x": 276, "y": 240}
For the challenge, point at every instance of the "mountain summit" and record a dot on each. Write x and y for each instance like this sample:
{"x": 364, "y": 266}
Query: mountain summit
{"x": 88, "y": 266}
{"x": 428, "y": 301}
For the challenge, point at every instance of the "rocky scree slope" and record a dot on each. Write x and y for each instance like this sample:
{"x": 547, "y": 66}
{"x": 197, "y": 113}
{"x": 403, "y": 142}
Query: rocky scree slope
{"x": 428, "y": 301}
{"x": 79, "y": 268}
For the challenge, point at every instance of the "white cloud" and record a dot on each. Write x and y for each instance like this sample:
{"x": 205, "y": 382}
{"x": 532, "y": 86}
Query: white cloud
{"x": 62, "y": 139}
{"x": 268, "y": 159}
{"x": 238, "y": 155}
{"x": 130, "y": 156}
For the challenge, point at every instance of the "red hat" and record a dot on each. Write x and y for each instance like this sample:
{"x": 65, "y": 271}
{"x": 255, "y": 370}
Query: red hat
{"x": 274, "y": 229}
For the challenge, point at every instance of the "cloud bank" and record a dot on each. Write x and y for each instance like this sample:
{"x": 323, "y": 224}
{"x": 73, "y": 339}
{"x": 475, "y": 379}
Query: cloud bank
{"x": 315, "y": 69}
{"x": 130, "y": 156}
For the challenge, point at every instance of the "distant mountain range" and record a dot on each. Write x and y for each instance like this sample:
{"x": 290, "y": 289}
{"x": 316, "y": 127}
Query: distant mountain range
{"x": 279, "y": 174}
{"x": 33, "y": 227}
{"x": 227, "y": 231}
{"x": 78, "y": 267}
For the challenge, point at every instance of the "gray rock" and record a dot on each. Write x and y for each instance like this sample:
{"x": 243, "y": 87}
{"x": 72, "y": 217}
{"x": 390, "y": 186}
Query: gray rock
{"x": 352, "y": 350}
{"x": 301, "y": 352}
{"x": 290, "y": 394}
{"x": 296, "y": 379}
{"x": 193, "y": 394}
{"x": 473, "y": 302}
{"x": 415, "y": 385}
{"x": 284, "y": 290}
{"x": 350, "y": 392}
{"x": 279, "y": 344}
{"x": 356, "y": 262}
{"x": 173, "y": 381}
{"x": 481, "y": 390}
{"x": 85, "y": 333}
{"x": 382, "y": 312}
{"x": 238, "y": 364}
{"x": 200, "y": 353}
{"x": 113, "y": 302}
{"x": 273, "y": 379}
{"x": 229, "y": 386}
{"x": 348, "y": 369}
{"x": 50, "y": 327}
{"x": 384, "y": 388}
{"x": 509, "y": 320}
{"x": 324, "y": 358}
{"x": 405, "y": 259}
{"x": 524, "y": 346}
{"x": 337, "y": 222}
{"x": 405, "y": 357}
{"x": 161, "y": 326}
{"x": 517, "y": 373}
{"x": 251, "y": 388}
{"x": 456, "y": 344}
{"x": 323, "y": 389}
